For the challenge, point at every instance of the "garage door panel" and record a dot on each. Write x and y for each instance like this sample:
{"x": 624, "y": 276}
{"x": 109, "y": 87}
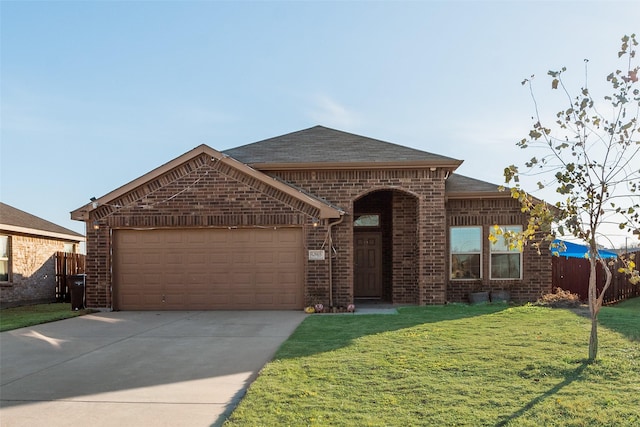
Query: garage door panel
{"x": 173, "y": 278}
{"x": 198, "y": 269}
{"x": 219, "y": 260}
{"x": 265, "y": 280}
{"x": 240, "y": 238}
{"x": 265, "y": 258}
{"x": 289, "y": 237}
{"x": 266, "y": 299}
{"x": 242, "y": 257}
{"x": 242, "y": 300}
{"x": 151, "y": 239}
{"x": 221, "y": 236}
{"x": 287, "y": 298}
{"x": 287, "y": 280}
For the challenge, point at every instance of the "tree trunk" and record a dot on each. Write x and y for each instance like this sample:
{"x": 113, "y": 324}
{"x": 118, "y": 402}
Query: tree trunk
{"x": 593, "y": 339}
{"x": 593, "y": 307}
{"x": 595, "y": 300}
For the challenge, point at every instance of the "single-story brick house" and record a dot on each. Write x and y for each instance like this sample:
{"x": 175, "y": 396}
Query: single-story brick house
{"x": 28, "y": 245}
{"x": 314, "y": 216}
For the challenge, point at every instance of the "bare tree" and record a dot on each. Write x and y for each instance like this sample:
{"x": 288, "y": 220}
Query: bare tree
{"x": 591, "y": 158}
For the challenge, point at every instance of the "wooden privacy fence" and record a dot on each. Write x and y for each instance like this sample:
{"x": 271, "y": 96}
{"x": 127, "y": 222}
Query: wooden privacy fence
{"x": 572, "y": 274}
{"x": 67, "y": 264}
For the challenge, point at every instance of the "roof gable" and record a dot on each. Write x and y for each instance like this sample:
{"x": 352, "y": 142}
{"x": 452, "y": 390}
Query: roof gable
{"x": 135, "y": 189}
{"x": 325, "y": 147}
{"x": 15, "y": 220}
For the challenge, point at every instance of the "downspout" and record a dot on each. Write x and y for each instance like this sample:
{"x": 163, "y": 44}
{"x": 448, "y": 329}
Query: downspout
{"x": 331, "y": 224}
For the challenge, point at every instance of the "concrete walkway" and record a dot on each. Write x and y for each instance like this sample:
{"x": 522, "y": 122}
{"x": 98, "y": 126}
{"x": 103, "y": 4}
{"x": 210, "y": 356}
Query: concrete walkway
{"x": 136, "y": 368}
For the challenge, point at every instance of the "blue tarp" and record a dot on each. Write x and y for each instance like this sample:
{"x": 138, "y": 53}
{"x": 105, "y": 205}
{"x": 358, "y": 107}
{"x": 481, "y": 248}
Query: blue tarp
{"x": 573, "y": 250}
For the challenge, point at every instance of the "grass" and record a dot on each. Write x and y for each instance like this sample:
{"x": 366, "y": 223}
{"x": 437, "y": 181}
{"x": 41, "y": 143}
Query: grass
{"x": 491, "y": 365}
{"x": 29, "y": 315}
{"x": 622, "y": 317}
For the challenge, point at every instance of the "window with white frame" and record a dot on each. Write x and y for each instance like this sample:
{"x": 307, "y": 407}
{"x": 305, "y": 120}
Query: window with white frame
{"x": 506, "y": 263}
{"x": 466, "y": 252}
{"x": 4, "y": 258}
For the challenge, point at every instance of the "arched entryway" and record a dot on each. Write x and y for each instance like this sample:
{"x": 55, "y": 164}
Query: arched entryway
{"x": 385, "y": 247}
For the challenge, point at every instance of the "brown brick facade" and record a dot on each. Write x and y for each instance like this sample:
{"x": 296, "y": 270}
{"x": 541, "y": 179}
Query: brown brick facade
{"x": 203, "y": 193}
{"x": 536, "y": 274}
{"x": 200, "y": 193}
{"x": 418, "y": 227}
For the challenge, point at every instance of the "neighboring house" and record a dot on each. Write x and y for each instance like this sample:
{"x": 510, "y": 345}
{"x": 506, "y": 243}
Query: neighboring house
{"x": 27, "y": 249}
{"x": 314, "y": 216}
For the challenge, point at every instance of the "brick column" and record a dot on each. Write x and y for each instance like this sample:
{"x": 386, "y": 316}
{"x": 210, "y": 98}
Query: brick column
{"x": 432, "y": 229}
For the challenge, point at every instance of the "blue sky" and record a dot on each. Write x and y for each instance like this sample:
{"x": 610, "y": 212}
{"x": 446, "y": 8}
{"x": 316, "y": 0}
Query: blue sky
{"x": 95, "y": 94}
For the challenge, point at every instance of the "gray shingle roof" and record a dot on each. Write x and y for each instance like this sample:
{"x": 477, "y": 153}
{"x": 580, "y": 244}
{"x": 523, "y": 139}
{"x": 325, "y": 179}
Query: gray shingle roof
{"x": 463, "y": 184}
{"x": 12, "y": 219}
{"x": 324, "y": 145}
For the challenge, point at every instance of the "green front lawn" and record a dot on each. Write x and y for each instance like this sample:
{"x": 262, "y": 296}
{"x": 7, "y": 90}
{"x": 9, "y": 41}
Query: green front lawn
{"x": 452, "y": 365}
{"x": 29, "y": 315}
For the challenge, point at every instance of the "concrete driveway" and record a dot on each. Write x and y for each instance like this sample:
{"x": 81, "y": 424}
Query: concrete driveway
{"x": 136, "y": 368}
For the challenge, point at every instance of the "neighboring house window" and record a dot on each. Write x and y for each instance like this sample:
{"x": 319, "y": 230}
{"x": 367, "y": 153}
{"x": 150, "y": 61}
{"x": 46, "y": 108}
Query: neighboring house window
{"x": 466, "y": 252}
{"x": 369, "y": 220}
{"x": 506, "y": 263}
{"x": 69, "y": 248}
{"x": 4, "y": 258}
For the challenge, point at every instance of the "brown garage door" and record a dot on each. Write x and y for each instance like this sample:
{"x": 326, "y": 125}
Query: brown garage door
{"x": 205, "y": 269}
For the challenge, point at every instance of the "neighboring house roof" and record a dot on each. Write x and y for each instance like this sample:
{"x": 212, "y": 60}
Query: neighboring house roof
{"x": 323, "y": 148}
{"x": 326, "y": 209}
{"x": 462, "y": 187}
{"x": 574, "y": 250}
{"x": 17, "y": 221}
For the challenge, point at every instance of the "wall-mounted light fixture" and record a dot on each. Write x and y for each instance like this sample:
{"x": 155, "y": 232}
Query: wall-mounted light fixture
{"x": 96, "y": 226}
{"x": 315, "y": 222}
{"x": 95, "y": 204}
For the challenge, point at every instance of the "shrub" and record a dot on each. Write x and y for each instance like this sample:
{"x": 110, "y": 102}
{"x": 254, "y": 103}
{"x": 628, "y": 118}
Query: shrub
{"x": 559, "y": 299}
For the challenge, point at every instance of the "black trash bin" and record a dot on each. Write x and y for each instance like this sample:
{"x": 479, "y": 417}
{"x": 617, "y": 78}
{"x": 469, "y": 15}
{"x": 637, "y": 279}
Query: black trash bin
{"x": 75, "y": 283}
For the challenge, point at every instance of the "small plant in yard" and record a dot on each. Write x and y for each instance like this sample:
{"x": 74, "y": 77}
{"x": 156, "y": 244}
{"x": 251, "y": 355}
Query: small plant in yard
{"x": 321, "y": 308}
{"x": 559, "y": 299}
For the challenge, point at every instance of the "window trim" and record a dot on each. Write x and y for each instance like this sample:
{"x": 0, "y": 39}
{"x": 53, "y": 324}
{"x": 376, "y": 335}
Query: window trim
{"x": 452, "y": 253}
{"x": 494, "y": 251}
{"x": 8, "y": 259}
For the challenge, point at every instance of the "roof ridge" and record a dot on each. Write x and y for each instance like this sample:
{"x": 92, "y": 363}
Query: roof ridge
{"x": 321, "y": 144}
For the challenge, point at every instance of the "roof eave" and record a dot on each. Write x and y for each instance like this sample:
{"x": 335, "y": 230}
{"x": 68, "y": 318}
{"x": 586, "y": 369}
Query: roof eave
{"x": 411, "y": 164}
{"x": 477, "y": 195}
{"x": 41, "y": 233}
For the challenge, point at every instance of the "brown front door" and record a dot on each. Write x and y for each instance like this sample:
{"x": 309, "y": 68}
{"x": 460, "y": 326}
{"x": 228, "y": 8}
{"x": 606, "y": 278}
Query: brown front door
{"x": 368, "y": 265}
